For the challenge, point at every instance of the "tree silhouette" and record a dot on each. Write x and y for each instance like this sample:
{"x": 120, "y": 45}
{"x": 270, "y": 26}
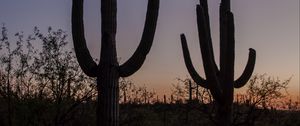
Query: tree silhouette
{"x": 108, "y": 71}
{"x": 42, "y": 86}
{"x": 7, "y": 62}
{"x": 264, "y": 93}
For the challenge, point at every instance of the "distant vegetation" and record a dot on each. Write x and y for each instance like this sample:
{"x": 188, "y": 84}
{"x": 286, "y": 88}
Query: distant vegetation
{"x": 41, "y": 84}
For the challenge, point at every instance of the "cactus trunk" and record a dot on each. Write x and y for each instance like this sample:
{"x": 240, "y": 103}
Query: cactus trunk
{"x": 221, "y": 81}
{"x": 108, "y": 101}
{"x": 224, "y": 114}
{"x": 224, "y": 110}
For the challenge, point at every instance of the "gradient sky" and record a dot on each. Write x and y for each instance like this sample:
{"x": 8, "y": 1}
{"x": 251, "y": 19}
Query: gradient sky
{"x": 269, "y": 26}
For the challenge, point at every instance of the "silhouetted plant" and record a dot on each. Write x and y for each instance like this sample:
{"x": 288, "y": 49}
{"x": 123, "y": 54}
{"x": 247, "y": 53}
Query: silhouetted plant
{"x": 6, "y": 60}
{"x": 57, "y": 65}
{"x": 263, "y": 95}
{"x": 192, "y": 90}
{"x": 126, "y": 87}
{"x": 108, "y": 71}
{"x": 23, "y": 57}
{"x": 133, "y": 94}
{"x": 178, "y": 93}
{"x": 220, "y": 82}
{"x": 40, "y": 81}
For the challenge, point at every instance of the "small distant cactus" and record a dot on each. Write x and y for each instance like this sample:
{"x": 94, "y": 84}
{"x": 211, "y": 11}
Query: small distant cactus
{"x": 190, "y": 91}
{"x": 108, "y": 71}
{"x": 221, "y": 81}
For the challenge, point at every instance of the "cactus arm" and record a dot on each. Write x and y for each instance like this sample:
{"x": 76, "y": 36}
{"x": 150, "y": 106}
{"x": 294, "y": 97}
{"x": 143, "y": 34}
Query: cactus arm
{"x": 86, "y": 62}
{"x": 243, "y": 79}
{"x": 207, "y": 56}
{"x": 205, "y": 37}
{"x": 206, "y": 50}
{"x": 189, "y": 65}
{"x": 204, "y": 5}
{"x": 139, "y": 56}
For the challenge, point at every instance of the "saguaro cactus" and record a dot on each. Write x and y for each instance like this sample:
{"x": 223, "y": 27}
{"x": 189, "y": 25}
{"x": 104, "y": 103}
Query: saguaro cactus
{"x": 108, "y": 71}
{"x": 221, "y": 81}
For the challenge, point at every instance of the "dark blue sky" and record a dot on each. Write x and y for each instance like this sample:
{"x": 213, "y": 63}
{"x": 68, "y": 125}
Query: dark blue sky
{"x": 269, "y": 26}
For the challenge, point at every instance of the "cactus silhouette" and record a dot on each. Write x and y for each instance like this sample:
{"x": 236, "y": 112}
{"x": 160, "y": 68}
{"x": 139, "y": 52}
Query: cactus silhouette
{"x": 108, "y": 71}
{"x": 190, "y": 91}
{"x": 191, "y": 88}
{"x": 221, "y": 81}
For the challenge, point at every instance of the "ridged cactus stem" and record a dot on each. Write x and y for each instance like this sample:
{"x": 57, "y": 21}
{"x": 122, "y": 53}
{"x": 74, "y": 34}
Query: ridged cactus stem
{"x": 125, "y": 96}
{"x": 190, "y": 91}
{"x": 221, "y": 81}
{"x": 197, "y": 92}
{"x": 108, "y": 71}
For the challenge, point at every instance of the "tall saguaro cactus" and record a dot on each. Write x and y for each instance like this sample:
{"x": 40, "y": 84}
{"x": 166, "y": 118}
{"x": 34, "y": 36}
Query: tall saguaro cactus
{"x": 108, "y": 71}
{"x": 221, "y": 81}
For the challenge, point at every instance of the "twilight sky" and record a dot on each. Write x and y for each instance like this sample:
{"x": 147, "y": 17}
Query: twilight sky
{"x": 269, "y": 26}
